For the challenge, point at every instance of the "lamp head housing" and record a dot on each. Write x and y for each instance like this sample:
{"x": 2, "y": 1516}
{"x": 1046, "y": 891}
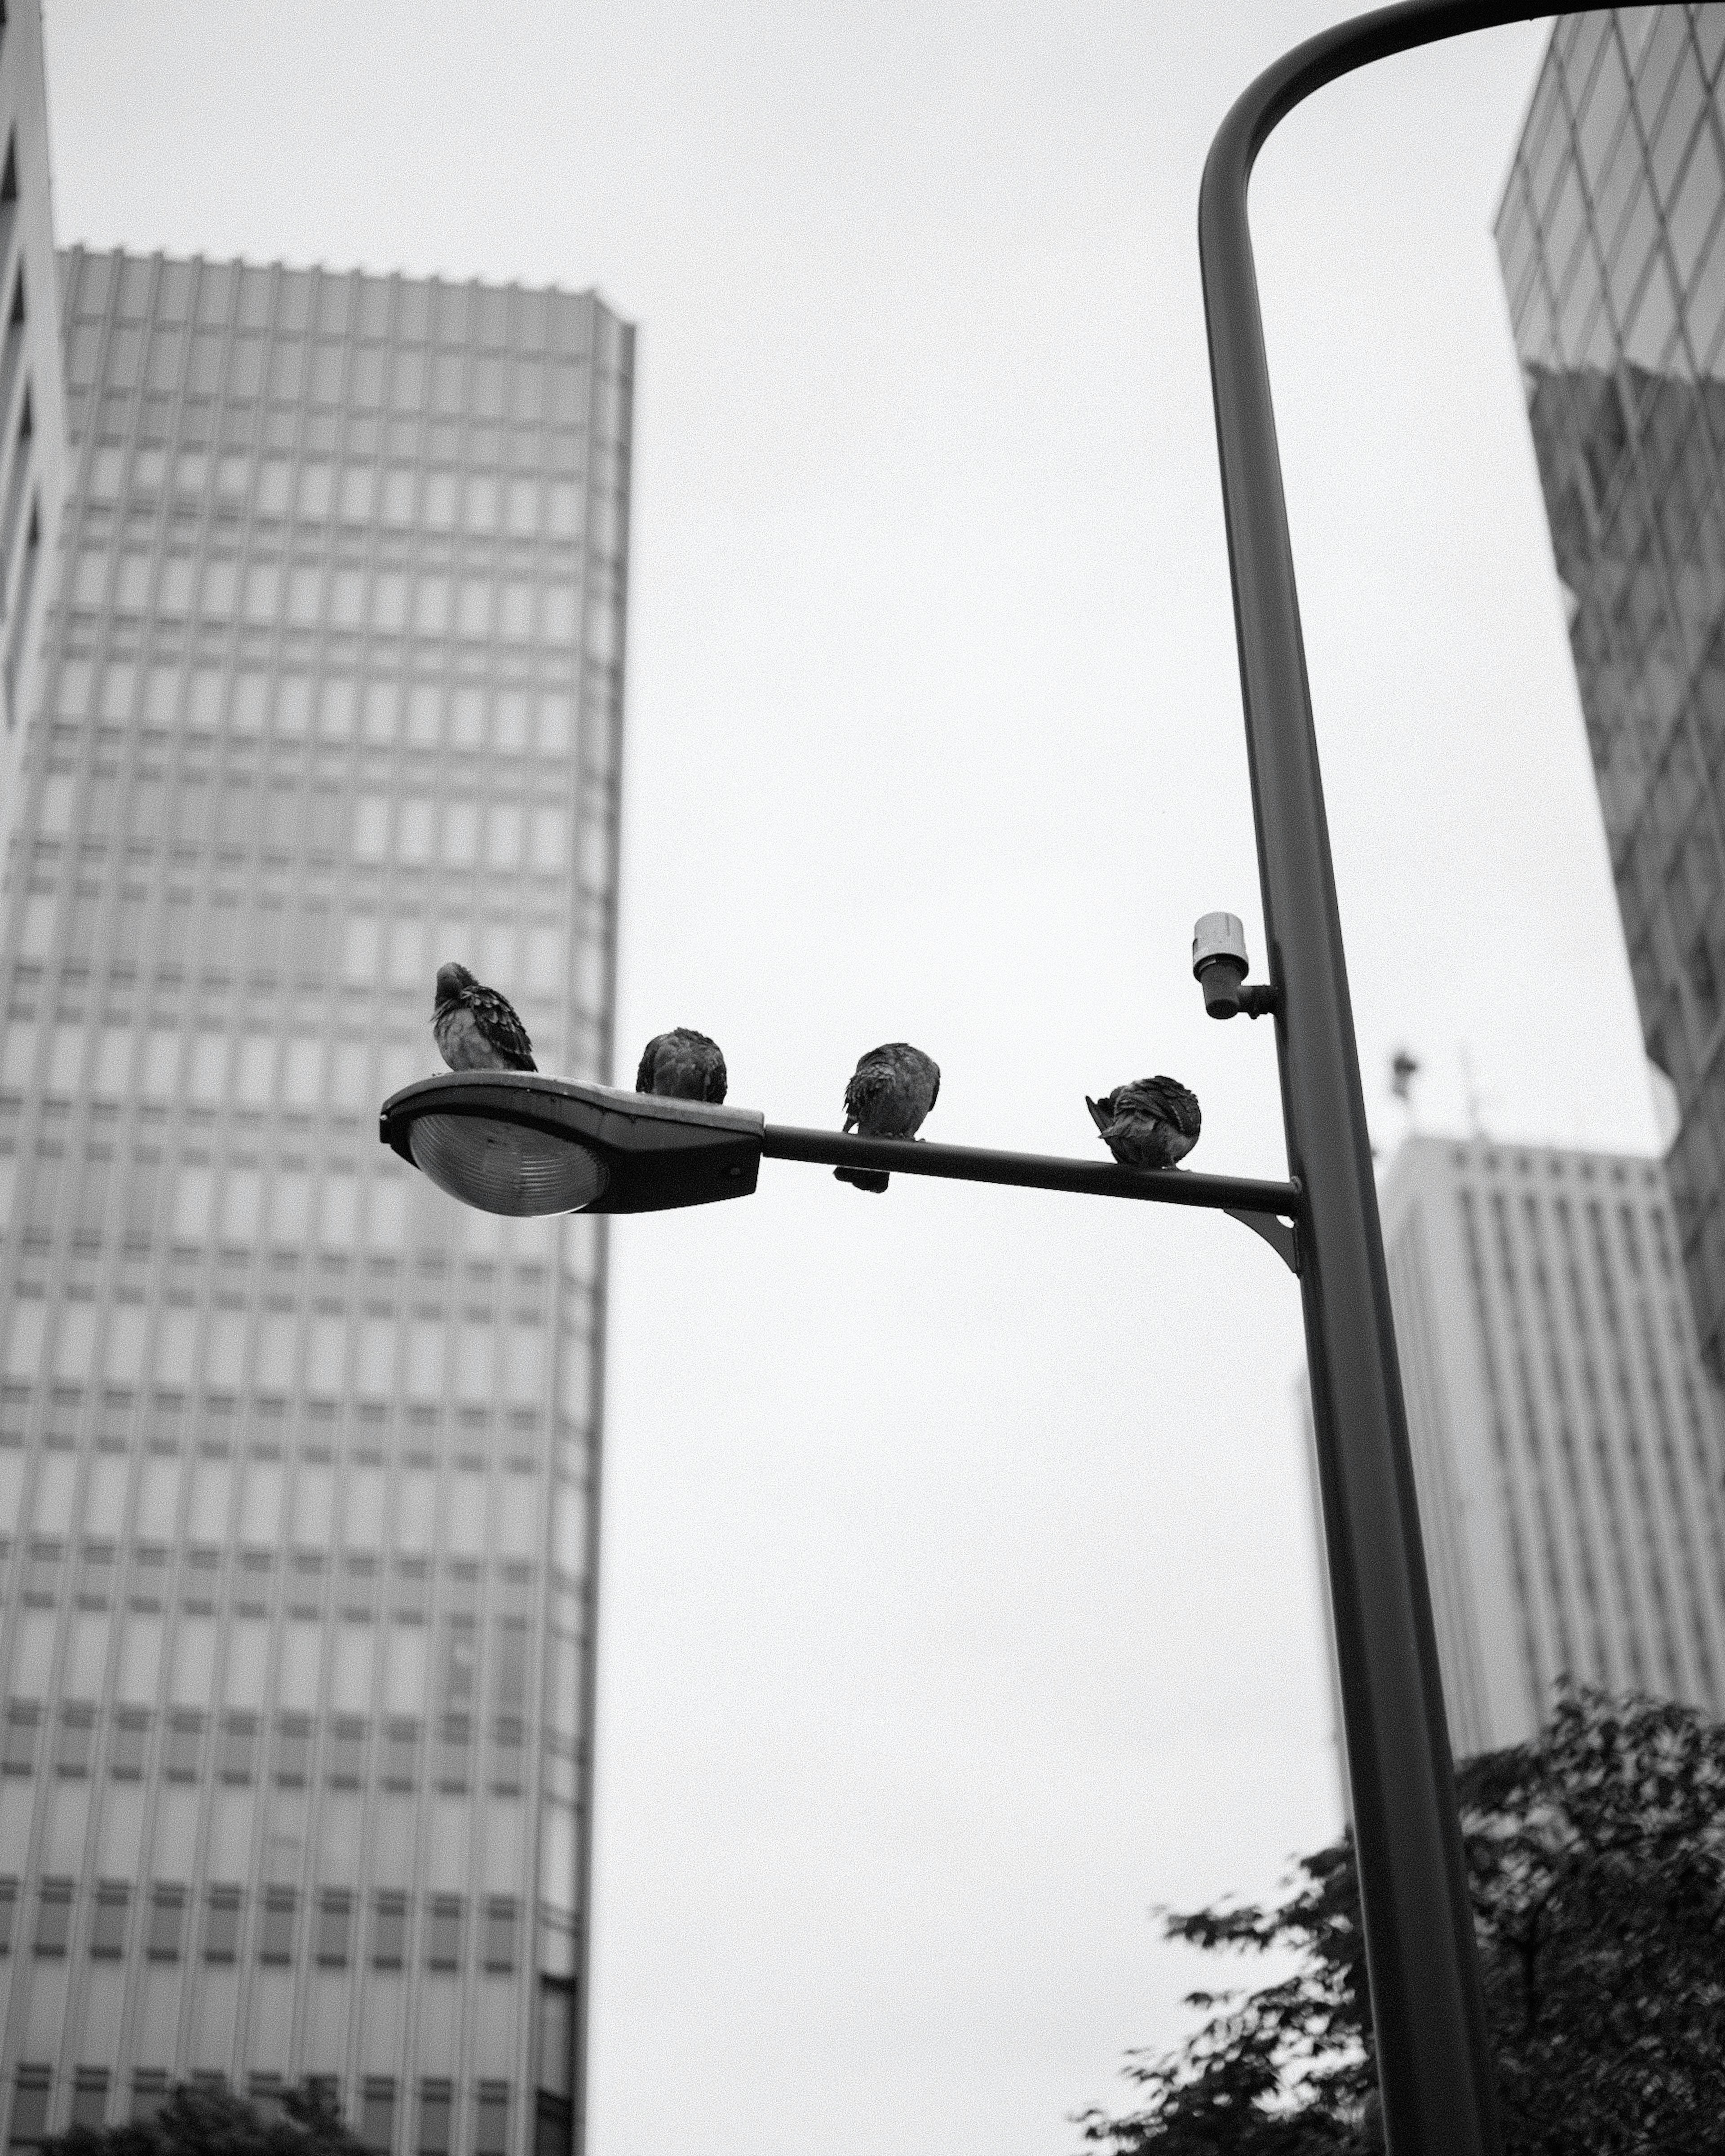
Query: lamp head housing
{"x": 521, "y": 1143}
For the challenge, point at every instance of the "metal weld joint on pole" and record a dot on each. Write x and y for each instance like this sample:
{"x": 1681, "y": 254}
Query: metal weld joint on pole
{"x": 1434, "y": 2062}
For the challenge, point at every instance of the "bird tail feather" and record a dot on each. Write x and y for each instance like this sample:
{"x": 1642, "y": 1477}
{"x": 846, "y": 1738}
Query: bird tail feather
{"x": 862, "y": 1179}
{"x": 1098, "y": 1114}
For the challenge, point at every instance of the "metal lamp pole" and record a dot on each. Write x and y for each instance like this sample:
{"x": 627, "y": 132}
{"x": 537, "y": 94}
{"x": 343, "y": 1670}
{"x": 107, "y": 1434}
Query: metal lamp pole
{"x": 1433, "y": 2060}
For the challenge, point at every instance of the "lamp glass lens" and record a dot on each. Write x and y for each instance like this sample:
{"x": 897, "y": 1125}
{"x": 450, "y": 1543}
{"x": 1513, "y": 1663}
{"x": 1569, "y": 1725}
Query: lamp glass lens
{"x": 500, "y": 1167}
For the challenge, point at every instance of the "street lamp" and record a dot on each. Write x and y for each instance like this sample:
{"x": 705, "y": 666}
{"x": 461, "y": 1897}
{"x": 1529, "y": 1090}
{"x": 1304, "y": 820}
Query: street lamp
{"x": 521, "y": 1143}
{"x": 1434, "y": 2064}
{"x": 518, "y": 1142}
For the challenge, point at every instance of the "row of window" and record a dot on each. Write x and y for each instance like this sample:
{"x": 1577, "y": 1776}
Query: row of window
{"x": 487, "y": 505}
{"x": 425, "y": 1359}
{"x": 507, "y": 721}
{"x": 187, "y": 1752}
{"x": 159, "y": 1065}
{"x": 356, "y": 1654}
{"x": 286, "y": 1209}
{"x": 242, "y": 812}
{"x": 41, "y": 1573}
{"x": 475, "y": 607}
{"x": 245, "y": 365}
{"x": 375, "y": 2125}
{"x": 338, "y": 303}
{"x": 112, "y": 1928}
{"x": 267, "y": 1504}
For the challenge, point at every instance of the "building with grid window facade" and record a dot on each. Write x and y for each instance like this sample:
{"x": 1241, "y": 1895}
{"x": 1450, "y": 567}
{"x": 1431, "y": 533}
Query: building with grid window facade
{"x": 1612, "y": 239}
{"x": 1566, "y": 1447}
{"x": 298, "y": 1459}
{"x": 33, "y": 425}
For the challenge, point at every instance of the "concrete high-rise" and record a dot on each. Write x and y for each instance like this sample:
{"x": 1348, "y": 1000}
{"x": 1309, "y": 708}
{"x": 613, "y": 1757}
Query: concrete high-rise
{"x": 1612, "y": 240}
{"x": 1565, "y": 1440}
{"x": 297, "y": 1458}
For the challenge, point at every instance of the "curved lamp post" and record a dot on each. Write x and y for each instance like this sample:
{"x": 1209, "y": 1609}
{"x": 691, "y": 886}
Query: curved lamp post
{"x": 519, "y": 1142}
{"x": 1434, "y": 2064}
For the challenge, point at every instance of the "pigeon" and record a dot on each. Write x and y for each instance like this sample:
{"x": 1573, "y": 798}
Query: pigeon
{"x": 476, "y": 1028}
{"x": 1152, "y": 1123}
{"x": 683, "y": 1064}
{"x": 891, "y": 1091}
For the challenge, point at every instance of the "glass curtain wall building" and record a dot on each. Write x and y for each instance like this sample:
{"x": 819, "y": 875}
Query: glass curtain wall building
{"x": 1612, "y": 240}
{"x": 297, "y": 1458}
{"x": 32, "y": 426}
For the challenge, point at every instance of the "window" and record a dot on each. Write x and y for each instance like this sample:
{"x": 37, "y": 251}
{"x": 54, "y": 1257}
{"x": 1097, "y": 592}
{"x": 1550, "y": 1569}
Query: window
{"x": 434, "y": 2118}
{"x": 53, "y": 1916}
{"x": 221, "y": 1924}
{"x": 77, "y": 1740}
{"x": 238, "y": 1748}
{"x": 376, "y": 2115}
{"x": 389, "y": 1931}
{"x": 149, "y": 2092}
{"x": 8, "y": 1909}
{"x": 335, "y": 1924}
{"x": 42, "y": 1569}
{"x": 454, "y": 1746}
{"x": 490, "y": 2136}
{"x": 125, "y": 1753}
{"x": 89, "y": 2098}
{"x": 107, "y": 1935}
{"x": 443, "y": 1938}
{"x": 507, "y": 1754}
{"x": 401, "y": 1755}
{"x": 29, "y": 2108}
{"x": 167, "y": 1909}
{"x": 293, "y": 1750}
{"x": 347, "y": 1753}
{"x": 500, "y": 1936}
{"x": 19, "y": 1756}
{"x": 277, "y": 1943}
{"x": 265, "y": 2091}
{"x": 185, "y": 1741}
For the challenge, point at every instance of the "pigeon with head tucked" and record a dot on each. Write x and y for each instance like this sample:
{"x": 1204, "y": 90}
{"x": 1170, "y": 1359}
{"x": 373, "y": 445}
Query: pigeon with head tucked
{"x": 683, "y": 1064}
{"x": 476, "y": 1028}
{"x": 1150, "y": 1123}
{"x": 890, "y": 1094}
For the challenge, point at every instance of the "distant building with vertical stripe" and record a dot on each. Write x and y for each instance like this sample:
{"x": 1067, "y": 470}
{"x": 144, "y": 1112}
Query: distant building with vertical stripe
{"x": 1566, "y": 1441}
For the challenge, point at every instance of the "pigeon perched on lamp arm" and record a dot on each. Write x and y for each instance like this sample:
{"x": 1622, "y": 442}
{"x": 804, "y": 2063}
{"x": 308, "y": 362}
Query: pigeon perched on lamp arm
{"x": 1153, "y": 1122}
{"x": 683, "y": 1064}
{"x": 476, "y": 1028}
{"x": 889, "y": 1095}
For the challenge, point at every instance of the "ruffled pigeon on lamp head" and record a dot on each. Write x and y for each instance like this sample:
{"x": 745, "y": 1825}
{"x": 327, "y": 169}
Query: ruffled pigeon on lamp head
{"x": 1150, "y": 1123}
{"x": 476, "y": 1028}
{"x": 683, "y": 1064}
{"x": 889, "y": 1095}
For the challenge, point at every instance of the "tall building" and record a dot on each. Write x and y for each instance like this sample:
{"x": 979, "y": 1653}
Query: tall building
{"x": 1566, "y": 1450}
{"x": 297, "y": 1458}
{"x": 32, "y": 423}
{"x": 1612, "y": 240}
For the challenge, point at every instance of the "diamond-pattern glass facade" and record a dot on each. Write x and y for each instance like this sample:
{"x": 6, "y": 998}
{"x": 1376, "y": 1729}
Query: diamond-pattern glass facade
{"x": 1612, "y": 240}
{"x": 297, "y": 1457}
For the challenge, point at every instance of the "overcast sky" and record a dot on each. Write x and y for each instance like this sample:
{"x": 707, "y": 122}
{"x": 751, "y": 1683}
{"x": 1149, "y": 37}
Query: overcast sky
{"x": 958, "y": 1601}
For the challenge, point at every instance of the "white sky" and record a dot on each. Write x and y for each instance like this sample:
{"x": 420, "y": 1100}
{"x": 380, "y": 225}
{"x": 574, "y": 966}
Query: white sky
{"x": 958, "y": 1597}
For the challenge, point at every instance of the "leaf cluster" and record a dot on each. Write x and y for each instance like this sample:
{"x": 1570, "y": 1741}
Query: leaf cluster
{"x": 1596, "y": 1864}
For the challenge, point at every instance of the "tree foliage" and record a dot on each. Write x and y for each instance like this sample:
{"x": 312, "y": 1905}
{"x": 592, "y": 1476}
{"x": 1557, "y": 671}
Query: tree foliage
{"x": 207, "y": 2119}
{"x": 1596, "y": 1863}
